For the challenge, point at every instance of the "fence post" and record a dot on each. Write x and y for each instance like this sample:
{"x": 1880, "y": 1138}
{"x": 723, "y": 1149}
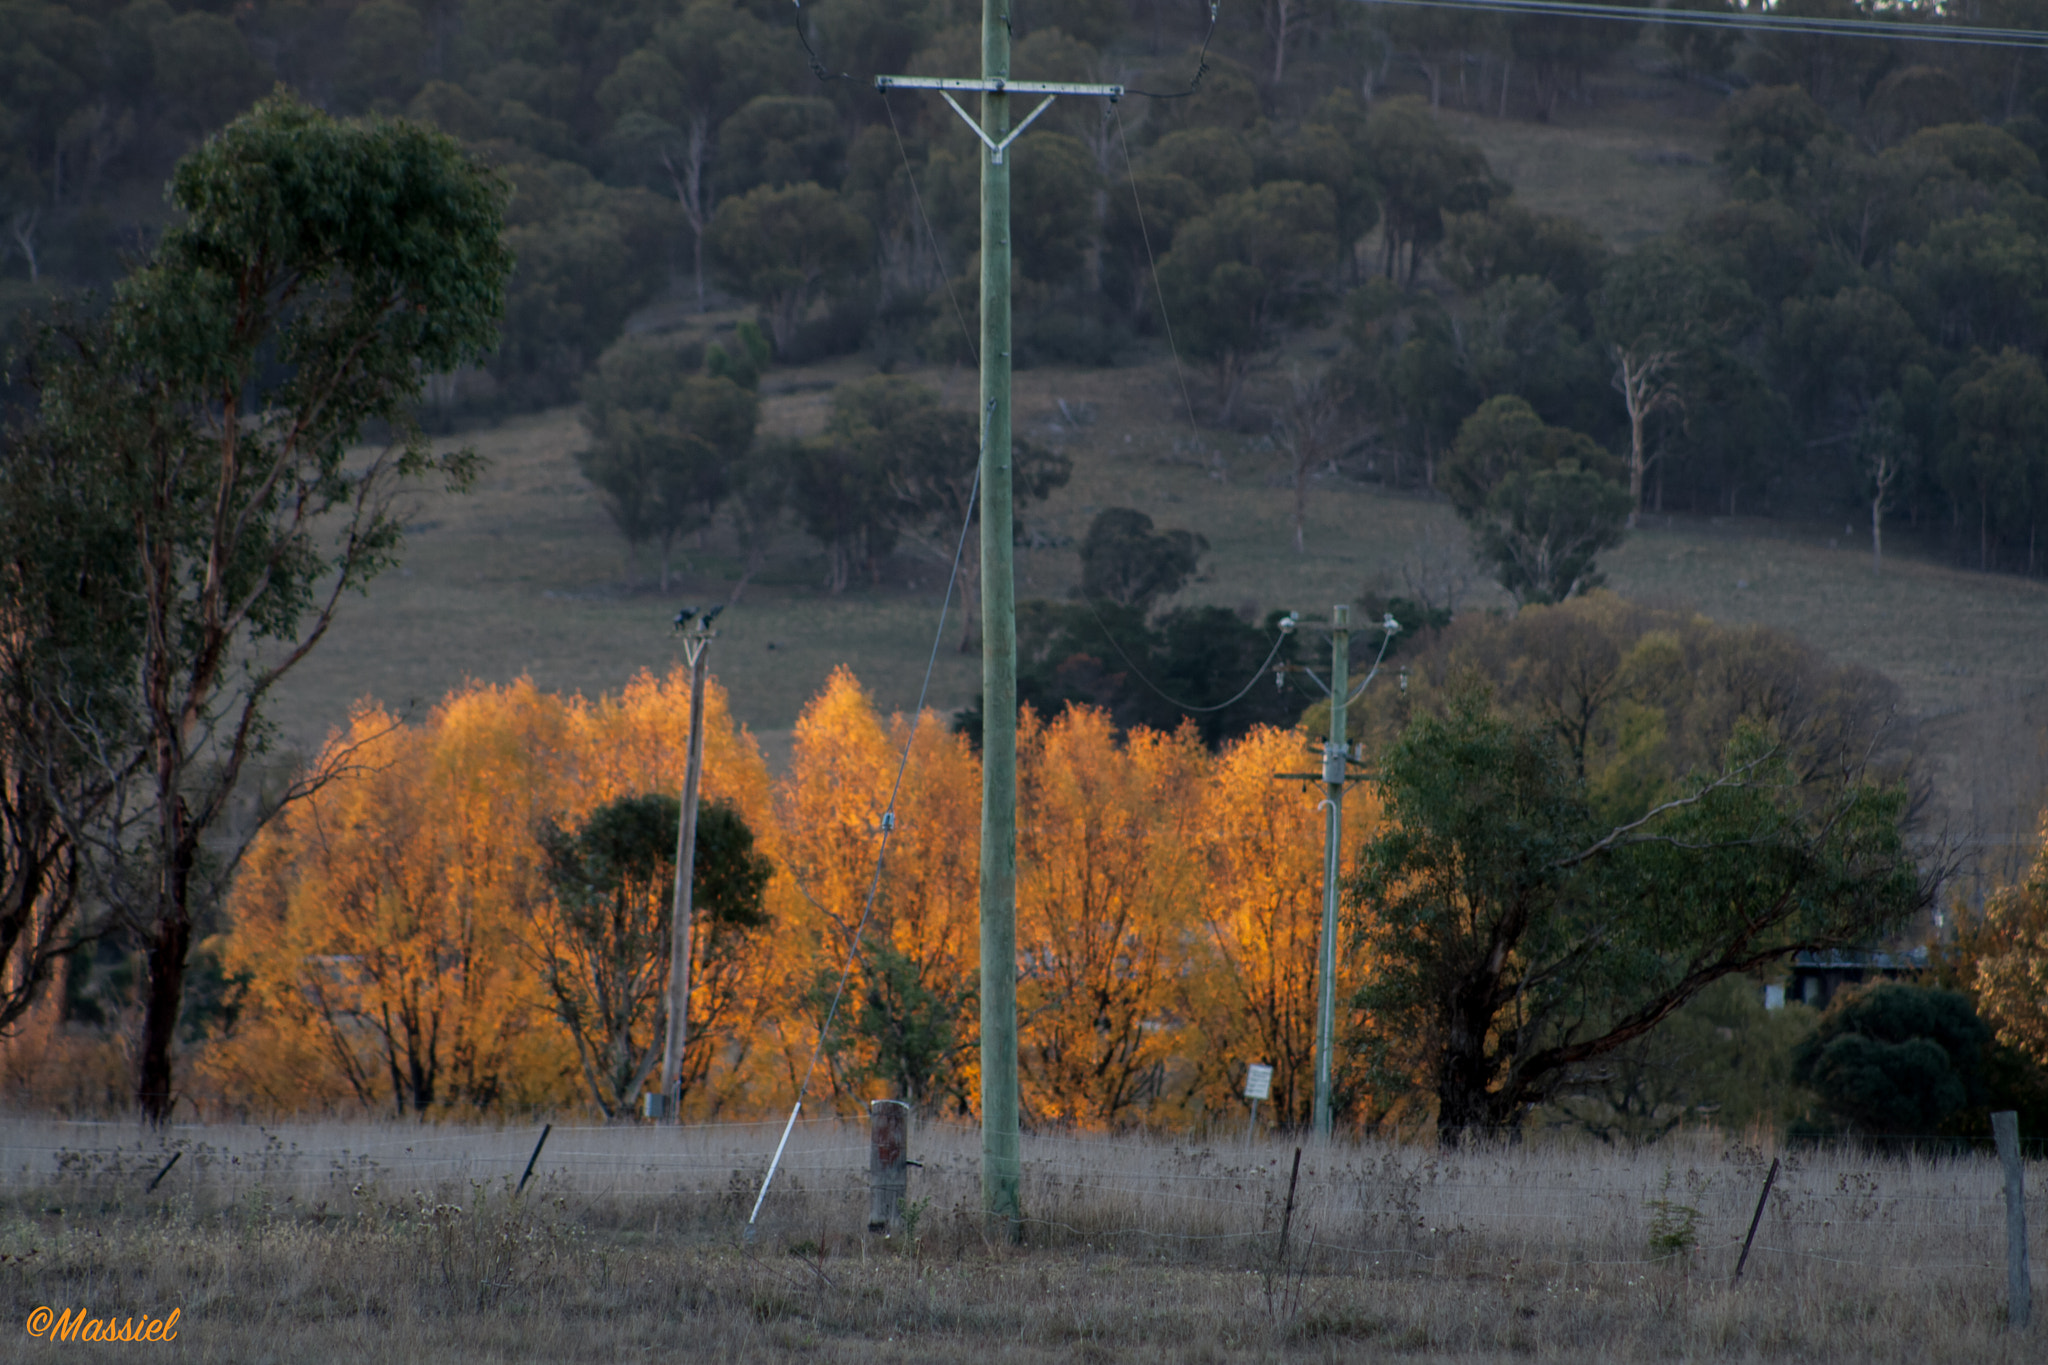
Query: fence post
{"x": 1287, "y": 1218}
{"x": 527, "y": 1174}
{"x": 164, "y": 1172}
{"x": 1761, "y": 1200}
{"x": 2019, "y": 1292}
{"x": 888, "y": 1162}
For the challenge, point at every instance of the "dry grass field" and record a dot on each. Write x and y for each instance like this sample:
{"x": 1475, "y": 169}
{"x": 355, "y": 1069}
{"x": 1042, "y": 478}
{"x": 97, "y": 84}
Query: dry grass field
{"x": 406, "y": 1243}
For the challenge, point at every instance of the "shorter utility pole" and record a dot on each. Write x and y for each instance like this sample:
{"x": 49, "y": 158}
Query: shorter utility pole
{"x": 1337, "y": 755}
{"x": 1334, "y": 755}
{"x": 697, "y": 640}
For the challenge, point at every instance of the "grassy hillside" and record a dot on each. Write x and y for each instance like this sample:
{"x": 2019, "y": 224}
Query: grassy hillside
{"x": 526, "y": 576}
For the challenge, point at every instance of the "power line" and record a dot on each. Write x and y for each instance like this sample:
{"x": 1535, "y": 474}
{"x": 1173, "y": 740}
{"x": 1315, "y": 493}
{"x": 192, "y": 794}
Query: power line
{"x": 1757, "y": 20}
{"x": 1145, "y": 234}
{"x": 1286, "y": 629}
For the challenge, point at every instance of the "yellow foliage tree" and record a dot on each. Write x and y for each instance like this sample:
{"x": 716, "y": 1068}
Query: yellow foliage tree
{"x": 376, "y": 969}
{"x": 905, "y": 1025}
{"x": 1259, "y": 922}
{"x": 2007, "y": 945}
{"x": 387, "y": 925}
{"x": 1105, "y": 881}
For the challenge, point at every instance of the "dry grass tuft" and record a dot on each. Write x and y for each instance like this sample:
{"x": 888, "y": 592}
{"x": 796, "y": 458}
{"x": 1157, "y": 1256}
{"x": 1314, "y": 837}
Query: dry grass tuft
{"x": 394, "y": 1242}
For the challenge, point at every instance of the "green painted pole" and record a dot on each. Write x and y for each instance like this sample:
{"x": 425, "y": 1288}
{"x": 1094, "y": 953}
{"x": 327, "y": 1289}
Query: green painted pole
{"x": 1333, "y": 843}
{"x": 1000, "y": 1158}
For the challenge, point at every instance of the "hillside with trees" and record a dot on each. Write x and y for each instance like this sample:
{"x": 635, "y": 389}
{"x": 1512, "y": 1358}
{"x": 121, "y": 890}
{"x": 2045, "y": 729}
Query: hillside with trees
{"x": 714, "y": 296}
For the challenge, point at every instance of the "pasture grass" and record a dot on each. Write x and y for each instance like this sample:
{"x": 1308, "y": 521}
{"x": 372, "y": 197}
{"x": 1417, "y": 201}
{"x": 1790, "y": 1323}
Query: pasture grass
{"x": 399, "y": 1242}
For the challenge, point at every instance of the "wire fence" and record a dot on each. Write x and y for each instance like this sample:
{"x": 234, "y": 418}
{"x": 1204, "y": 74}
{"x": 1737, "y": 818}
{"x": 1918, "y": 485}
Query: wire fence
{"x": 1542, "y": 1208}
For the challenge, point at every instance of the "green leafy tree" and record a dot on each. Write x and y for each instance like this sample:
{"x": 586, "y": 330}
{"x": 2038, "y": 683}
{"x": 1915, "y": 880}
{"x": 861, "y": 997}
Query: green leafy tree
{"x": 1663, "y": 310}
{"x": 1767, "y": 132}
{"x": 319, "y": 271}
{"x": 930, "y": 458}
{"x": 385, "y": 47}
{"x": 782, "y": 247}
{"x": 1423, "y": 174}
{"x": 1897, "y": 1061}
{"x": 1123, "y": 560}
{"x": 604, "y": 953}
{"x": 1997, "y": 463}
{"x": 914, "y": 1023}
{"x": 588, "y": 255}
{"x": 1519, "y": 938}
{"x": 1238, "y": 274}
{"x": 205, "y": 69}
{"x": 1541, "y": 500}
{"x": 666, "y": 443}
{"x": 781, "y": 140}
{"x": 1505, "y": 240}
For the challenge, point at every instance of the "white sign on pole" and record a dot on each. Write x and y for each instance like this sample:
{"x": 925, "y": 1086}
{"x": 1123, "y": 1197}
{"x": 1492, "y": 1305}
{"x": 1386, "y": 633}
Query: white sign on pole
{"x": 1258, "y": 1082}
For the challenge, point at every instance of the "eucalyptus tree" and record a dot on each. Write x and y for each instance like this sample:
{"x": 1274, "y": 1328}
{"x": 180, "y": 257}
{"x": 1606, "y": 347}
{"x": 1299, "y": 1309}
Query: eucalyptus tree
{"x": 207, "y": 436}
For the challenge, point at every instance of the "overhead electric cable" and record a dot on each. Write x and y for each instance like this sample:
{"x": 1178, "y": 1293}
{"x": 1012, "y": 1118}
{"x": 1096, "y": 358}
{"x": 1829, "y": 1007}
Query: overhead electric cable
{"x": 1901, "y": 30}
{"x": 1138, "y": 673}
{"x": 1145, "y": 235}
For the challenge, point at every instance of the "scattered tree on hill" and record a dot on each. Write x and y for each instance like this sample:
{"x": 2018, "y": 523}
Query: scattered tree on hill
{"x": 1254, "y": 264}
{"x": 1540, "y": 500}
{"x": 1423, "y": 174}
{"x": 1123, "y": 560}
{"x": 782, "y": 247}
{"x": 1997, "y": 463}
{"x": 667, "y": 443}
{"x": 1311, "y": 428}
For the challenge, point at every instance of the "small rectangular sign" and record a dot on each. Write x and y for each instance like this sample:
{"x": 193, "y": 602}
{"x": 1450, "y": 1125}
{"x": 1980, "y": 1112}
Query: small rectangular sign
{"x": 1258, "y": 1082}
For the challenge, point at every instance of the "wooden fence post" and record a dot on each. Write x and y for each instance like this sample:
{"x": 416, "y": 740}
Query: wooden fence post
{"x": 888, "y": 1162}
{"x": 1761, "y": 1200}
{"x": 1287, "y": 1218}
{"x": 527, "y": 1174}
{"x": 2019, "y": 1290}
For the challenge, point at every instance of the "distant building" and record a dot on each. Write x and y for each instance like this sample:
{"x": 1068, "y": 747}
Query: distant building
{"x": 1817, "y": 976}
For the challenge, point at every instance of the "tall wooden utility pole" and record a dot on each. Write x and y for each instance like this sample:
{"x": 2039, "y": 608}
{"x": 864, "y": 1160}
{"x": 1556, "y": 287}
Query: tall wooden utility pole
{"x": 999, "y": 1143}
{"x": 696, "y": 642}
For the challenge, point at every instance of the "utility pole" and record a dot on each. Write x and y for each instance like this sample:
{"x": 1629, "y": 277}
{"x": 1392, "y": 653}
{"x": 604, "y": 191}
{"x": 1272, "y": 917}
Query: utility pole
{"x": 1334, "y": 755}
{"x": 1337, "y": 755}
{"x": 1000, "y": 1160}
{"x": 696, "y": 644}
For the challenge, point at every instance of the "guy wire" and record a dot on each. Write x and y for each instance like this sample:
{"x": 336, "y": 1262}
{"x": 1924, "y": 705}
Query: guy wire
{"x": 888, "y": 813}
{"x": 937, "y": 258}
{"x": 1145, "y": 234}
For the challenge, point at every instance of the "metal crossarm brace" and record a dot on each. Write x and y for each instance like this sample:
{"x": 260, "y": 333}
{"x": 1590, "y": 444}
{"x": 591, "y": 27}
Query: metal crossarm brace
{"x": 946, "y": 85}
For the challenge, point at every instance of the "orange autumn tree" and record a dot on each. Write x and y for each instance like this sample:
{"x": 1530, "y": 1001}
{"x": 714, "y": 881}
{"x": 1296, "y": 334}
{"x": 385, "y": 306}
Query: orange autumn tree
{"x": 388, "y": 926}
{"x": 380, "y": 966}
{"x": 906, "y": 1022}
{"x": 634, "y": 745}
{"x": 1104, "y": 884}
{"x": 1258, "y": 922}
